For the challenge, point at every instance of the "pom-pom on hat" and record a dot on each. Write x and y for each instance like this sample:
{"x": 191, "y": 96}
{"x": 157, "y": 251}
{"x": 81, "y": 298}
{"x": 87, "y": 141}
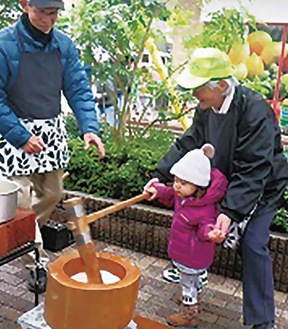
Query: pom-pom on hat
{"x": 194, "y": 167}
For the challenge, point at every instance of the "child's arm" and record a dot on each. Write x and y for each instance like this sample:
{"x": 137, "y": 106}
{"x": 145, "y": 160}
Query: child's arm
{"x": 215, "y": 236}
{"x": 205, "y": 227}
{"x": 208, "y": 232}
{"x": 163, "y": 193}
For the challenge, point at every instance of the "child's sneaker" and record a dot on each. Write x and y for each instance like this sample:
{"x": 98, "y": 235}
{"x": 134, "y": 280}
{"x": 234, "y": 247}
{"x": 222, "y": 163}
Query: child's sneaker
{"x": 172, "y": 274}
{"x": 178, "y": 299}
{"x": 204, "y": 277}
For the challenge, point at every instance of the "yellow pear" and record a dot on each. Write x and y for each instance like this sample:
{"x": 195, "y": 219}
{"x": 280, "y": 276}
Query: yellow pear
{"x": 271, "y": 53}
{"x": 239, "y": 53}
{"x": 240, "y": 71}
{"x": 254, "y": 66}
{"x": 258, "y": 40}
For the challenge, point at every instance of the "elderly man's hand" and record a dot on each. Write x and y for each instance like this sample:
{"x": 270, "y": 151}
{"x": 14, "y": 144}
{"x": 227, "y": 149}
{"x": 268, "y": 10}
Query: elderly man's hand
{"x": 223, "y": 224}
{"x": 93, "y": 139}
{"x": 34, "y": 145}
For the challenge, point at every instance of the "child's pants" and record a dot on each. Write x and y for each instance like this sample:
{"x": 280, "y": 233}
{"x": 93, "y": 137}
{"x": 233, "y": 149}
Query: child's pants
{"x": 191, "y": 285}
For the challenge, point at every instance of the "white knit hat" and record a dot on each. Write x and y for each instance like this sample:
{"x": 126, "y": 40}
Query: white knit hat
{"x": 194, "y": 166}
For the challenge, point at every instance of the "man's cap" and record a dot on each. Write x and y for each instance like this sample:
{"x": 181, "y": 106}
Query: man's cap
{"x": 41, "y": 4}
{"x": 204, "y": 65}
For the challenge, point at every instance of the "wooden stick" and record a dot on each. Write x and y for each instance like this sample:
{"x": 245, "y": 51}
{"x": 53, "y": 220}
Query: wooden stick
{"x": 88, "y": 219}
{"x": 84, "y": 243}
{"x": 81, "y": 231}
{"x": 116, "y": 207}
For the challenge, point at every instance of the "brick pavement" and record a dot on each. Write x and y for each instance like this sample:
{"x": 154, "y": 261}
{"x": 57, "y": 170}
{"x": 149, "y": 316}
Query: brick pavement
{"x": 220, "y": 307}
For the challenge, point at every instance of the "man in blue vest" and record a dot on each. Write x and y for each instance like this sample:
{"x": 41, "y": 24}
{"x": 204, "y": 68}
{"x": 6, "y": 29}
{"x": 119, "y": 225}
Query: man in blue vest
{"x": 37, "y": 63}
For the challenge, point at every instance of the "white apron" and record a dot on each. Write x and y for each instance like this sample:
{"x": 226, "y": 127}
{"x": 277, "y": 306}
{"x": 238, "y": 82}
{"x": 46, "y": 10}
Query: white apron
{"x": 35, "y": 98}
{"x": 16, "y": 162}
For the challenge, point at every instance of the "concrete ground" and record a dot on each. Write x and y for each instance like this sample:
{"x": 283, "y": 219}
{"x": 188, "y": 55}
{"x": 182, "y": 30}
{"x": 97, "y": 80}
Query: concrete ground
{"x": 220, "y": 307}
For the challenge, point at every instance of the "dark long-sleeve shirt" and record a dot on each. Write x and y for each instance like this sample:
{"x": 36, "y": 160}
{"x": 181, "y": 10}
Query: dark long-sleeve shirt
{"x": 248, "y": 151}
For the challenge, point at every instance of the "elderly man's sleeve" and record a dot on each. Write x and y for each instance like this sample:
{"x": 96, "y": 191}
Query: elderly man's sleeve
{"x": 191, "y": 139}
{"x": 11, "y": 129}
{"x": 78, "y": 92}
{"x": 252, "y": 162}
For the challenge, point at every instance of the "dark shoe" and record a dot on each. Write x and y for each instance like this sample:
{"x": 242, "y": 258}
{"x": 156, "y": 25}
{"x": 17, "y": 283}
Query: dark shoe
{"x": 37, "y": 286}
{"x": 266, "y": 325}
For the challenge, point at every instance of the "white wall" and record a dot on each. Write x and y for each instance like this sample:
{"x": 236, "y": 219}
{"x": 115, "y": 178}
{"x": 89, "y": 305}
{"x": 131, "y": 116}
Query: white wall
{"x": 268, "y": 11}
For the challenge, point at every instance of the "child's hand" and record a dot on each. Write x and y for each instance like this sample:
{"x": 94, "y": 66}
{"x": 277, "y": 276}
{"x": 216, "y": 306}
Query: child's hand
{"x": 215, "y": 236}
{"x": 152, "y": 191}
{"x": 149, "y": 186}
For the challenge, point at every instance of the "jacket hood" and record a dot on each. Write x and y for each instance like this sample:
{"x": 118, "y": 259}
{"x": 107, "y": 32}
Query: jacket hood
{"x": 215, "y": 192}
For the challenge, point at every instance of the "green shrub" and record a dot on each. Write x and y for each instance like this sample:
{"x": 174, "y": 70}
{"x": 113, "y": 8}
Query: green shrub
{"x": 281, "y": 218}
{"x": 286, "y": 152}
{"x": 72, "y": 127}
{"x": 126, "y": 168}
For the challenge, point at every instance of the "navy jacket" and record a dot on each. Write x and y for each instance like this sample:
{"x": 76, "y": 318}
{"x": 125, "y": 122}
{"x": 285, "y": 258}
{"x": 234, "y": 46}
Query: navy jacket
{"x": 248, "y": 152}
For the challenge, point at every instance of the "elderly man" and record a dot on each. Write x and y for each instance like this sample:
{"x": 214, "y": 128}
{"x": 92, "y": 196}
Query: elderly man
{"x": 244, "y": 131}
{"x": 37, "y": 62}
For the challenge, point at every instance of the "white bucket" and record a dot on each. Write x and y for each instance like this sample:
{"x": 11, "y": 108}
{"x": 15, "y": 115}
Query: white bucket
{"x": 8, "y": 200}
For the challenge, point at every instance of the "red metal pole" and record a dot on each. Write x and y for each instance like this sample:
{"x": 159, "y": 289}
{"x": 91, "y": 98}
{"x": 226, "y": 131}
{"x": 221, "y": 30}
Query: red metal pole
{"x": 276, "y": 104}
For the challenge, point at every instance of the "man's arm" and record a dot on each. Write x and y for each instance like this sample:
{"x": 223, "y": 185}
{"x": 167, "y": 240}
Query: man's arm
{"x": 78, "y": 92}
{"x": 252, "y": 162}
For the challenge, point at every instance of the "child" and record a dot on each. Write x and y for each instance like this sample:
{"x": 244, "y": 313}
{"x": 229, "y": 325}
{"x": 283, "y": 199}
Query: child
{"x": 195, "y": 194}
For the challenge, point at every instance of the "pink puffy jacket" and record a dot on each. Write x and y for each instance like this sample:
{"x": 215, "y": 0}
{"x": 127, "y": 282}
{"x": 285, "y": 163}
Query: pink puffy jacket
{"x": 192, "y": 221}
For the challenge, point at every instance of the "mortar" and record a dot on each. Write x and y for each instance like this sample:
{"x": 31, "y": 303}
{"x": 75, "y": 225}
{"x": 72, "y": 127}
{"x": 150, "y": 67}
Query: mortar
{"x": 70, "y": 304}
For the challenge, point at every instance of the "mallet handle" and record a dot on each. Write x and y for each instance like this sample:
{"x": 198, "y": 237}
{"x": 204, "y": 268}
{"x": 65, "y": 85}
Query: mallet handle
{"x": 116, "y": 207}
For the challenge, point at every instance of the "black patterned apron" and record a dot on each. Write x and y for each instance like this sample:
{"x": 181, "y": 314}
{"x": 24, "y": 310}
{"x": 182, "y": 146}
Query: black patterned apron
{"x": 35, "y": 98}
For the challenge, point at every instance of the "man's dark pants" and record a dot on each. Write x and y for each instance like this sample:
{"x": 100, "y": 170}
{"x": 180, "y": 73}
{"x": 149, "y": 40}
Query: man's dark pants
{"x": 258, "y": 288}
